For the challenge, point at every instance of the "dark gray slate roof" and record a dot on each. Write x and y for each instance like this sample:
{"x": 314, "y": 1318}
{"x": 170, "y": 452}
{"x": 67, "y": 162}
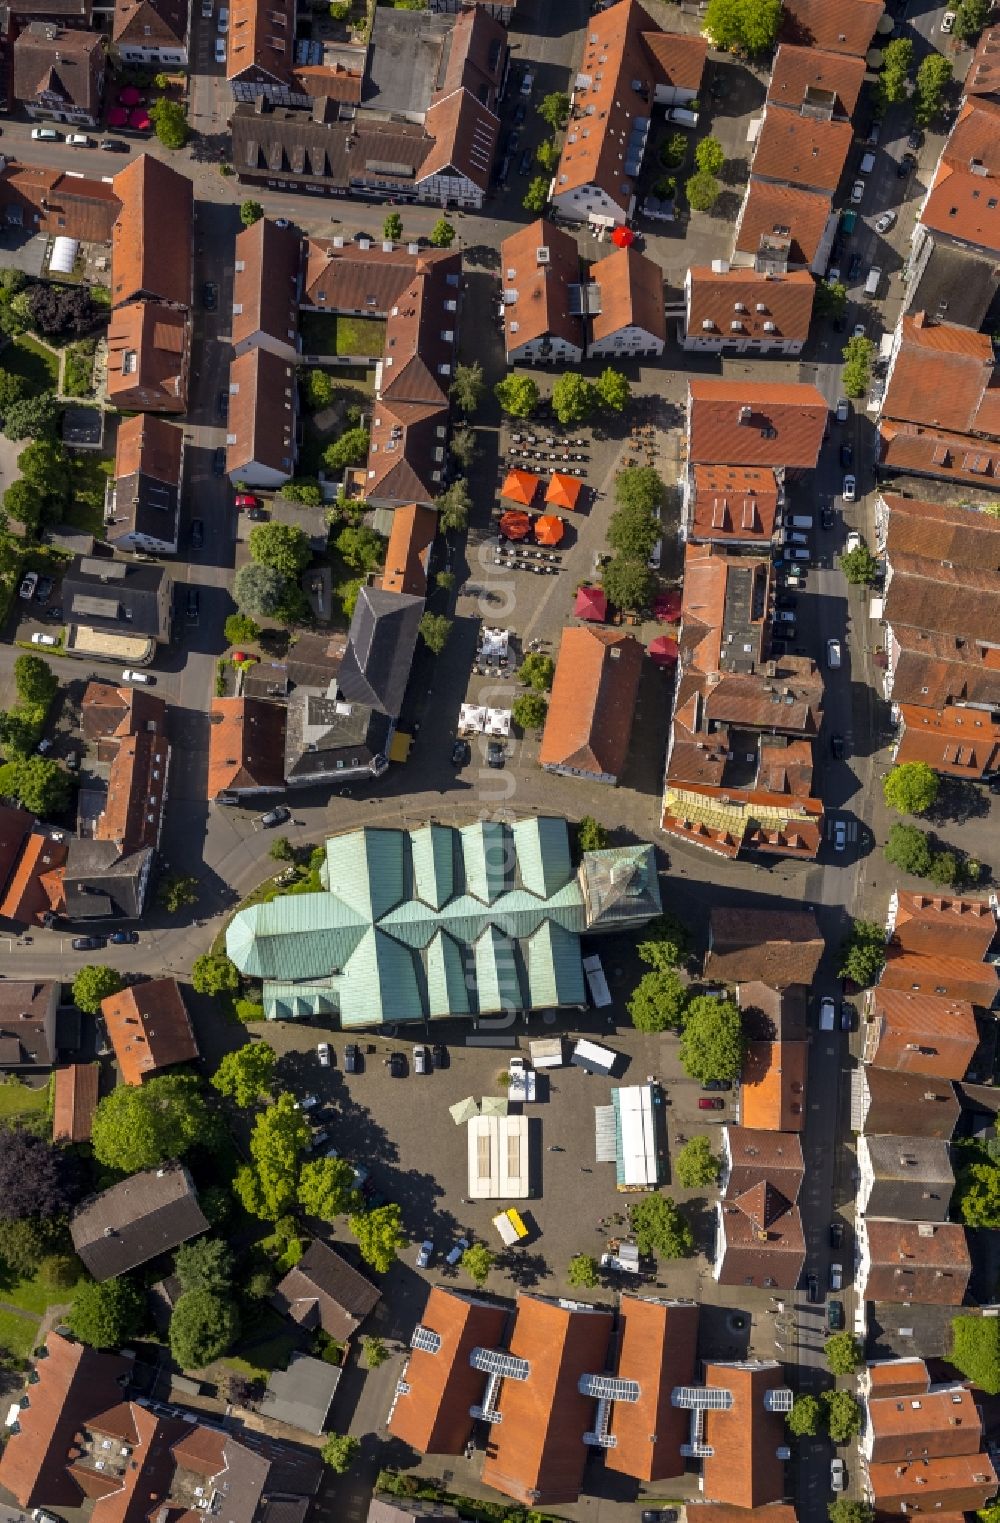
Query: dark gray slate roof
{"x": 380, "y": 645}
{"x": 134, "y": 1221}
{"x": 119, "y": 596}
{"x": 101, "y": 880}
{"x": 302, "y": 1395}
{"x": 956, "y": 285}
{"x": 318, "y": 733}
{"x": 323, "y": 1290}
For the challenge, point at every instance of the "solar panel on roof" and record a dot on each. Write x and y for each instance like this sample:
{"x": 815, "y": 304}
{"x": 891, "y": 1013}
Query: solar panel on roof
{"x": 492, "y": 1361}
{"x": 425, "y": 1338}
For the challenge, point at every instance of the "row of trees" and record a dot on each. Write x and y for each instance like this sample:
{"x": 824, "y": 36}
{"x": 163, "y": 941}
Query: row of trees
{"x": 932, "y": 78}
{"x": 574, "y": 399}
{"x": 836, "y": 1413}
{"x": 268, "y": 584}
{"x": 633, "y": 530}
{"x": 913, "y": 851}
{"x": 859, "y": 355}
{"x": 442, "y": 234}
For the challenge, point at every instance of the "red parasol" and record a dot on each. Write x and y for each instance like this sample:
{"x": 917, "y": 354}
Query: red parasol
{"x": 663, "y": 651}
{"x": 562, "y": 490}
{"x": 667, "y": 607}
{"x": 117, "y": 116}
{"x": 520, "y": 486}
{"x": 139, "y": 119}
{"x": 549, "y": 530}
{"x": 591, "y": 604}
{"x": 515, "y": 525}
{"x": 130, "y": 96}
{"x": 623, "y": 237}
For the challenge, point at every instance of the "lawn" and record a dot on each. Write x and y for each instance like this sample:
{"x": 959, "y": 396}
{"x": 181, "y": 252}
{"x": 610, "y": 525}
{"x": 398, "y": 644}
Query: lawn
{"x": 19, "y": 1334}
{"x": 36, "y": 1296}
{"x": 360, "y": 335}
{"x": 25, "y": 356}
{"x": 92, "y": 472}
{"x": 17, "y": 1100}
{"x": 318, "y": 332}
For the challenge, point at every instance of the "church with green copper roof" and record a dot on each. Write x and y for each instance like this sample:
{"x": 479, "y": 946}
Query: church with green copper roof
{"x": 480, "y": 920}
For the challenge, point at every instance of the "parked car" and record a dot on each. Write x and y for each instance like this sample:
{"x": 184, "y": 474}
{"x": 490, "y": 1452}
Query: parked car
{"x": 850, "y": 489}
{"x": 46, "y": 135}
{"x": 948, "y": 22}
{"x": 854, "y": 269}
{"x": 397, "y": 1065}
{"x": 323, "y": 1054}
{"x": 44, "y": 589}
{"x": 193, "y": 605}
{"x": 836, "y": 1233}
{"x": 906, "y": 163}
{"x": 222, "y": 22}
{"x": 352, "y": 1058}
{"x": 915, "y": 138}
{"x": 660, "y": 1515}
{"x": 144, "y": 679}
{"x": 461, "y": 753}
{"x": 843, "y": 410}
{"x": 197, "y": 533}
{"x": 222, "y": 404}
{"x": 455, "y": 1253}
{"x": 835, "y": 1316}
{"x": 495, "y": 755}
{"x": 827, "y": 1014}
{"x": 837, "y": 1475}
{"x": 826, "y": 518}
{"x": 78, "y": 140}
{"x": 38, "y": 639}
{"x": 210, "y": 296}
{"x": 28, "y": 586}
{"x": 426, "y": 1253}
{"x": 524, "y": 165}
{"x": 307, "y": 1103}
{"x": 711, "y": 1103}
{"x": 839, "y": 835}
{"x": 847, "y": 1014}
{"x": 439, "y": 1053}
{"x": 857, "y": 192}
{"x": 113, "y": 145}
{"x": 220, "y": 50}
{"x": 207, "y": 7}
{"x": 836, "y": 1276}
{"x": 87, "y": 943}
{"x": 420, "y": 1063}
{"x": 833, "y": 654}
{"x": 219, "y": 461}
{"x": 812, "y": 1286}
{"x": 276, "y": 816}
{"x": 887, "y": 220}
{"x": 717, "y": 1084}
{"x": 847, "y": 455}
{"x": 245, "y": 501}
{"x": 123, "y": 938}
{"x": 853, "y": 542}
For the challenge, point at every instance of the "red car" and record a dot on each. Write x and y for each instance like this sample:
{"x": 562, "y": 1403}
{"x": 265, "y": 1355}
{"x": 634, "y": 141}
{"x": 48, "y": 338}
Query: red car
{"x": 244, "y": 500}
{"x": 710, "y": 1103}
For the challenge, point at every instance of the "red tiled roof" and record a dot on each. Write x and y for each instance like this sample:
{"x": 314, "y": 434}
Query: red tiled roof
{"x": 150, "y": 1028}
{"x": 414, "y": 528}
{"x": 52, "y": 202}
{"x": 631, "y": 295}
{"x": 957, "y": 742}
{"x": 150, "y": 446}
{"x": 938, "y": 1423}
{"x": 918, "y": 1032}
{"x": 897, "y": 1377}
{"x": 756, "y": 423}
{"x": 14, "y": 827}
{"x": 963, "y": 1483}
{"x": 922, "y": 595}
{"x": 958, "y": 204}
{"x": 773, "y": 1088}
{"x": 983, "y": 77}
{"x": 137, "y": 786}
{"x": 954, "y": 978}
{"x": 148, "y": 354}
{"x": 161, "y": 23}
{"x": 35, "y": 887}
{"x": 152, "y": 242}
{"x": 246, "y": 745}
{"x": 942, "y": 531}
{"x": 734, "y": 502}
{"x": 924, "y": 1263}
{"x": 261, "y": 412}
{"x": 589, "y": 723}
{"x": 432, "y": 1416}
{"x": 906, "y": 449}
{"x": 941, "y": 925}
{"x": 801, "y": 150}
{"x": 542, "y": 289}
{"x": 465, "y": 136}
{"x": 679, "y": 57}
{"x": 841, "y": 26}
{"x": 798, "y": 70}
{"x": 744, "y": 1469}
{"x": 75, "y": 1100}
{"x": 783, "y": 211}
{"x": 658, "y": 1345}
{"x": 943, "y": 378}
{"x": 751, "y": 299}
{"x": 265, "y": 285}
{"x": 261, "y": 40}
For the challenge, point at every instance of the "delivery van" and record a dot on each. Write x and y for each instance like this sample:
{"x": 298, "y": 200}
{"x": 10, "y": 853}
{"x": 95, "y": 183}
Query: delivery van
{"x": 871, "y": 284}
{"x": 510, "y": 1227}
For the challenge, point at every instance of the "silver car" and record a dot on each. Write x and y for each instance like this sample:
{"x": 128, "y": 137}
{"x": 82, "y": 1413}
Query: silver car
{"x": 838, "y": 1479}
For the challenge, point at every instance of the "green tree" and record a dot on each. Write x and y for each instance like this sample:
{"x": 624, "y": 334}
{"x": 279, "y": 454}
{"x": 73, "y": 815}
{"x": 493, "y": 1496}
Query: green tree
{"x": 23, "y": 503}
{"x": 696, "y": 1166}
{"x": 911, "y": 788}
{"x": 350, "y": 449}
{"x": 39, "y": 784}
{"x": 214, "y": 973}
{"x": 907, "y": 848}
{"x": 660, "y": 1228}
{"x": 380, "y": 1235}
{"x": 859, "y": 566}
{"x": 742, "y": 26}
{"x": 702, "y": 191}
{"x": 435, "y": 631}
{"x": 268, "y": 1188}
{"x": 547, "y": 154}
{"x": 517, "y": 395}
{"x": 203, "y": 1327}
{"x": 658, "y": 1002}
{"x": 844, "y": 1354}
{"x": 282, "y": 850}
{"x": 26, "y": 1242}
{"x": 250, "y": 212}
{"x": 708, "y": 155}
{"x": 583, "y": 1271}
{"x": 613, "y": 390}
{"x": 857, "y": 372}
{"x": 529, "y": 711}
{"x": 246, "y": 1075}
{"x": 633, "y": 531}
{"x": 95, "y": 983}
{"x": 897, "y": 61}
{"x": 454, "y": 505}
{"x": 392, "y": 227}
{"x": 361, "y": 547}
{"x": 536, "y": 197}
{"x": 628, "y": 583}
{"x": 846, "y": 1510}
{"x": 711, "y": 1045}
{"x": 108, "y": 1314}
{"x": 12, "y": 388}
{"x": 464, "y": 447}
{"x": 467, "y": 387}
{"x": 478, "y": 1261}
{"x": 317, "y": 386}
{"x": 259, "y": 589}
{"x": 442, "y": 234}
{"x": 340, "y": 1451}
{"x": 970, "y": 18}
{"x": 945, "y": 870}
{"x": 326, "y": 1187}
{"x": 933, "y": 75}
{"x": 537, "y": 671}
{"x": 831, "y": 298}
{"x": 804, "y": 1418}
{"x": 641, "y": 488}
{"x": 843, "y": 1415}
{"x": 45, "y": 465}
{"x": 141, "y": 1126}
{"x": 374, "y": 1352}
{"x": 34, "y": 680}
{"x": 240, "y": 629}
{"x": 205, "y": 1263}
{"x": 862, "y": 954}
{"x": 976, "y": 1200}
{"x": 34, "y": 417}
{"x": 554, "y": 110}
{"x": 590, "y": 835}
{"x": 975, "y": 1351}
{"x": 285, "y": 547}
{"x": 666, "y": 943}
{"x": 176, "y": 891}
{"x": 169, "y": 122}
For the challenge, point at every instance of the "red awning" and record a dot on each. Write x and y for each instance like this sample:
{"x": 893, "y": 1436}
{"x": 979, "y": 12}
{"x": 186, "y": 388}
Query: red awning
{"x": 663, "y": 651}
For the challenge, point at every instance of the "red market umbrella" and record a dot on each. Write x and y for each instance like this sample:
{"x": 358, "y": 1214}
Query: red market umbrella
{"x": 591, "y": 604}
{"x": 549, "y": 530}
{"x": 623, "y": 237}
{"x": 663, "y": 651}
{"x": 667, "y": 607}
{"x": 515, "y": 525}
{"x": 130, "y": 96}
{"x": 563, "y": 490}
{"x": 117, "y": 116}
{"x": 139, "y": 119}
{"x": 520, "y": 486}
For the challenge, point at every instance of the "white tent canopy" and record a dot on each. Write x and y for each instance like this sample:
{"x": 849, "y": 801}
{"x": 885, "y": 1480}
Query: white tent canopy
{"x": 63, "y": 257}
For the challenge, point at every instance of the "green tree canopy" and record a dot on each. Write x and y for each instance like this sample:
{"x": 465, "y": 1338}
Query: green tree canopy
{"x": 169, "y": 122}
{"x": 34, "y": 680}
{"x": 573, "y": 398}
{"x": 259, "y": 589}
{"x": 857, "y": 372}
{"x": 140, "y": 1126}
{"x": 548, "y": 154}
{"x": 897, "y": 61}
{"x": 317, "y": 386}
{"x": 628, "y": 583}
{"x": 350, "y": 449}
{"x": 843, "y": 1415}
{"x": 464, "y": 447}
{"x": 633, "y": 531}
{"x": 39, "y": 784}
{"x": 844, "y": 1354}
{"x": 205, "y": 1263}
{"x": 702, "y": 191}
{"x": 374, "y": 1352}
{"x": 805, "y": 1417}
{"x": 250, "y": 212}
{"x": 454, "y": 504}
{"x": 203, "y": 1327}
{"x": 340, "y": 1451}
{"x": 933, "y": 75}
{"x": 907, "y": 848}
{"x": 442, "y": 234}
{"x": 467, "y": 387}
{"x": 554, "y": 110}
{"x": 529, "y": 711}
{"x": 658, "y": 1002}
{"x": 537, "y": 671}
{"x": 711, "y": 1045}
{"x": 831, "y": 298}
{"x": 240, "y": 629}
{"x": 583, "y": 1271}
{"x": 26, "y": 1242}
{"x": 536, "y": 197}
{"x": 846, "y": 1510}
{"x": 214, "y": 973}
{"x": 613, "y": 390}
{"x": 660, "y": 1228}
{"x": 106, "y": 1315}
{"x": 94, "y": 983}
{"x": 708, "y": 155}
{"x": 326, "y": 1187}
{"x": 392, "y": 227}
{"x": 975, "y": 1351}
{"x": 435, "y": 631}
{"x": 742, "y": 26}
{"x": 945, "y": 869}
{"x": 246, "y": 1075}
{"x": 517, "y": 395}
{"x": 911, "y": 788}
{"x": 380, "y": 1235}
{"x": 478, "y": 1261}
{"x": 361, "y": 547}
{"x": 696, "y": 1166}
{"x": 862, "y": 953}
{"x": 976, "y": 1200}
{"x": 970, "y": 18}
{"x": 666, "y": 943}
{"x": 285, "y": 547}
{"x": 23, "y": 503}
{"x": 268, "y": 1188}
{"x": 859, "y": 566}
{"x": 640, "y": 487}
{"x": 591, "y": 834}
{"x": 32, "y": 417}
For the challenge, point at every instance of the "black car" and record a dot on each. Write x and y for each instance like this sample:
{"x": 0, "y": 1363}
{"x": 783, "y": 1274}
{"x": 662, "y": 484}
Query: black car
{"x": 123, "y": 938}
{"x": 836, "y": 1234}
{"x": 197, "y": 533}
{"x": 906, "y": 163}
{"x": 222, "y": 405}
{"x": 524, "y": 167}
{"x": 786, "y": 600}
{"x": 837, "y": 747}
{"x": 835, "y": 1316}
{"x": 113, "y": 145}
{"x": 521, "y": 112}
{"x": 44, "y": 589}
{"x": 276, "y": 816}
{"x": 352, "y": 1058}
{"x": 717, "y": 1084}
{"x": 210, "y": 296}
{"x": 397, "y": 1065}
{"x": 855, "y": 267}
{"x": 439, "y": 1053}
{"x": 659, "y": 1515}
{"x": 847, "y": 455}
{"x": 915, "y": 138}
{"x": 461, "y": 753}
{"x": 826, "y": 518}
{"x": 87, "y": 943}
{"x": 515, "y": 141}
{"x": 256, "y": 515}
{"x": 219, "y": 461}
{"x": 812, "y": 1285}
{"x": 192, "y": 605}
{"x": 495, "y": 755}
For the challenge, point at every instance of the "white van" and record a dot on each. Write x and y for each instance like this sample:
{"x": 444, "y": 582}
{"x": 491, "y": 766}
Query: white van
{"x": 871, "y": 284}
{"x": 683, "y": 116}
{"x": 45, "y": 134}
{"x": 78, "y": 140}
{"x": 827, "y": 1014}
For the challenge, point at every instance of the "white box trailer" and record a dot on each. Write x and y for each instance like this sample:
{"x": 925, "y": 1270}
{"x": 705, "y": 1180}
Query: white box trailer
{"x": 547, "y": 1052}
{"x": 593, "y": 1057}
{"x": 600, "y": 994}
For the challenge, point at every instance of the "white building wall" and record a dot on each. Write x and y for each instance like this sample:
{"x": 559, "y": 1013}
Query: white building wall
{"x": 627, "y": 341}
{"x": 440, "y": 189}
{"x": 554, "y": 351}
{"x": 588, "y": 201}
{"x": 146, "y": 53}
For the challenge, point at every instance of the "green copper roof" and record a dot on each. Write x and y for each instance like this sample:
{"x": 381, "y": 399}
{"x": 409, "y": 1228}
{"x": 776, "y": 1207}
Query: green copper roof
{"x": 555, "y": 973}
{"x": 488, "y": 851}
{"x": 433, "y": 850}
{"x": 295, "y": 936}
{"x": 447, "y": 978}
{"x": 542, "y": 846}
{"x": 380, "y": 984}
{"x": 366, "y": 870}
{"x": 497, "y": 984}
{"x": 289, "y": 1002}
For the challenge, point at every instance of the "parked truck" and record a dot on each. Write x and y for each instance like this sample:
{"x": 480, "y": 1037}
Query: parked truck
{"x": 522, "y": 1081}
